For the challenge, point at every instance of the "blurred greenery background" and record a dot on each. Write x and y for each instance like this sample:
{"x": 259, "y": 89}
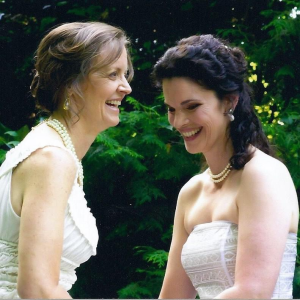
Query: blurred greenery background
{"x": 133, "y": 172}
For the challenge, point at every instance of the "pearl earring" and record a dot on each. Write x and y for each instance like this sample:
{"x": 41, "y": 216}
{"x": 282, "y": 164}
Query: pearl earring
{"x": 230, "y": 114}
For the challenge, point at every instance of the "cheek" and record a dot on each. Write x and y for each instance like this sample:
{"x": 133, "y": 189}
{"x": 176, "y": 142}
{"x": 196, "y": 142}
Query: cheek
{"x": 198, "y": 116}
{"x": 170, "y": 118}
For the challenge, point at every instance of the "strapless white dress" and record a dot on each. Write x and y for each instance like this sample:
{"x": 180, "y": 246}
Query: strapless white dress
{"x": 209, "y": 256}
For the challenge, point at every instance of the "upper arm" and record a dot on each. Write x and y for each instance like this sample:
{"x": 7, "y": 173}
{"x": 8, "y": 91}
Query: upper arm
{"x": 265, "y": 214}
{"x": 176, "y": 283}
{"x": 49, "y": 175}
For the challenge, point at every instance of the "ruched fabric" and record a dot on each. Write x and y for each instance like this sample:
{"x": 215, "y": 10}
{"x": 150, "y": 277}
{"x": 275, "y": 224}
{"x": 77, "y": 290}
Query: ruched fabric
{"x": 80, "y": 231}
{"x": 209, "y": 257}
{"x": 8, "y": 269}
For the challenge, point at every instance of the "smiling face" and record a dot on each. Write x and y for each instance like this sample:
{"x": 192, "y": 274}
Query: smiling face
{"x": 103, "y": 91}
{"x": 197, "y": 114}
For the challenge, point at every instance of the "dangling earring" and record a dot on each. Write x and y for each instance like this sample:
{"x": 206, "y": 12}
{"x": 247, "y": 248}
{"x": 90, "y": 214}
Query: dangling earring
{"x": 230, "y": 115}
{"x": 66, "y": 104}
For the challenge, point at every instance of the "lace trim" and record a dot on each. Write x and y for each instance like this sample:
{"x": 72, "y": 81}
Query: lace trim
{"x": 9, "y": 269}
{"x": 223, "y": 254}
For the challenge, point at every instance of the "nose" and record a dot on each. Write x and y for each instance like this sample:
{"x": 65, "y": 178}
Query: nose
{"x": 178, "y": 119}
{"x": 124, "y": 87}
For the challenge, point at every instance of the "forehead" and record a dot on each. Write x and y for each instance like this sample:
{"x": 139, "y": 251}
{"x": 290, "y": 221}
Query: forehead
{"x": 122, "y": 59}
{"x": 184, "y": 82}
{"x": 108, "y": 59}
{"x": 182, "y": 88}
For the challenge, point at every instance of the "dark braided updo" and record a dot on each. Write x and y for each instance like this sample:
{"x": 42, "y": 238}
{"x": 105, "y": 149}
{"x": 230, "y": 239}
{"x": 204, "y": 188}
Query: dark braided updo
{"x": 216, "y": 66}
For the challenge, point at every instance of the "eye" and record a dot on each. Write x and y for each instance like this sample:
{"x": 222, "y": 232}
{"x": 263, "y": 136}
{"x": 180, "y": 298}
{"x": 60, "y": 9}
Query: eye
{"x": 193, "y": 106}
{"x": 126, "y": 74}
{"x": 170, "y": 109}
{"x": 113, "y": 75}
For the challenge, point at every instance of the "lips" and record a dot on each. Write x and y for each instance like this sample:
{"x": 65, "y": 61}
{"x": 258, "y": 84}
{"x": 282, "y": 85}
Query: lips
{"x": 113, "y": 103}
{"x": 191, "y": 133}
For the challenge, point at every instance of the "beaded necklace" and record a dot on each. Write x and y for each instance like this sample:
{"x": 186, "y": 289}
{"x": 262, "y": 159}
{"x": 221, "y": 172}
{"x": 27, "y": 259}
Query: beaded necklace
{"x": 62, "y": 131}
{"x": 221, "y": 176}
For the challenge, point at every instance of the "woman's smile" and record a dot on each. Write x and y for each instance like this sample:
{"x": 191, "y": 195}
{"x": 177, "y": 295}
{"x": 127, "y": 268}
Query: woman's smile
{"x": 114, "y": 104}
{"x": 191, "y": 135}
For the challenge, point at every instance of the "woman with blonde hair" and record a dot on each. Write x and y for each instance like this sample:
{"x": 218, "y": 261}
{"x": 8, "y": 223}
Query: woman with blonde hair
{"x": 46, "y": 228}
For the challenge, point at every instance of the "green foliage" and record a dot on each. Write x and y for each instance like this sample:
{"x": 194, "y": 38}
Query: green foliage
{"x": 152, "y": 273}
{"x": 10, "y": 139}
{"x": 285, "y": 134}
{"x": 156, "y": 257}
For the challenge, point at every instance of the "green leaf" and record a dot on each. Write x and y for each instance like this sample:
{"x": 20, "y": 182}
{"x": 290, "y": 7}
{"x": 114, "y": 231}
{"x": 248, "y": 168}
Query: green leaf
{"x": 145, "y": 65}
{"x": 147, "y": 45}
{"x": 61, "y": 3}
{"x": 2, "y": 155}
{"x": 134, "y": 290}
{"x": 150, "y": 254}
{"x": 12, "y": 133}
{"x": 77, "y": 12}
{"x": 187, "y": 6}
{"x": 46, "y": 22}
{"x": 285, "y": 71}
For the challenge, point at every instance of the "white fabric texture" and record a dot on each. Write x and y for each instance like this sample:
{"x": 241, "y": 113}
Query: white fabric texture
{"x": 209, "y": 256}
{"x": 80, "y": 231}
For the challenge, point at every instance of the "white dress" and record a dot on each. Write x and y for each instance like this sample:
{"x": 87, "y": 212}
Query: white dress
{"x": 80, "y": 231}
{"x": 209, "y": 256}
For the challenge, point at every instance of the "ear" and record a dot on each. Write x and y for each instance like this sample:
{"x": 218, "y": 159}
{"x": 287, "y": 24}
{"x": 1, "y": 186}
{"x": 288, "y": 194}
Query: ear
{"x": 231, "y": 101}
{"x": 69, "y": 91}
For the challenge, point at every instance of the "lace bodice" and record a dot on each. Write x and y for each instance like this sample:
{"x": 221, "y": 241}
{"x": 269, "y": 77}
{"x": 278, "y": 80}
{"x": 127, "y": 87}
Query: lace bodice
{"x": 209, "y": 256}
{"x": 80, "y": 231}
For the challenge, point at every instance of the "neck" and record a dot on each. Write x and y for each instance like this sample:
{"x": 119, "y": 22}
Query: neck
{"x": 81, "y": 138}
{"x": 218, "y": 158}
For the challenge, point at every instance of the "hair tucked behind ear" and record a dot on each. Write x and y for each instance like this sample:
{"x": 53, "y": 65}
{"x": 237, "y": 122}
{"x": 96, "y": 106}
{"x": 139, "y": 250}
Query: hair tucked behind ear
{"x": 67, "y": 54}
{"x": 216, "y": 66}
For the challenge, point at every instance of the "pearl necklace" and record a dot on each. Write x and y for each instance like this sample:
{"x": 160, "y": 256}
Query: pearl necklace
{"x": 62, "y": 131}
{"x": 221, "y": 176}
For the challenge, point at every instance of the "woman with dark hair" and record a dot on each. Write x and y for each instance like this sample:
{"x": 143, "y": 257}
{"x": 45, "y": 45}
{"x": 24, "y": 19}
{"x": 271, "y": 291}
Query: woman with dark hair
{"x": 46, "y": 228}
{"x": 235, "y": 224}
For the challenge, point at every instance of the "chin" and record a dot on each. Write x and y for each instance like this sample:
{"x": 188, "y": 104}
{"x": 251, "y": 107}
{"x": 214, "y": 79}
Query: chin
{"x": 114, "y": 123}
{"x": 107, "y": 124}
{"x": 192, "y": 150}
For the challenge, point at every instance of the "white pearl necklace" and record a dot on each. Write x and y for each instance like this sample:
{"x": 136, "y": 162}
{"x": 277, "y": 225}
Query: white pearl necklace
{"x": 62, "y": 131}
{"x": 221, "y": 176}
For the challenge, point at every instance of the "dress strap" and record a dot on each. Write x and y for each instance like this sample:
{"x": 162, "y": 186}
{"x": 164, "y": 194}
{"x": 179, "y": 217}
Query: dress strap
{"x": 24, "y": 149}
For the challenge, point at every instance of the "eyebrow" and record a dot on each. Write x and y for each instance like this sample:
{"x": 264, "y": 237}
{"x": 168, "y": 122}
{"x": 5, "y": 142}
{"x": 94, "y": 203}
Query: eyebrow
{"x": 184, "y": 102}
{"x": 118, "y": 69}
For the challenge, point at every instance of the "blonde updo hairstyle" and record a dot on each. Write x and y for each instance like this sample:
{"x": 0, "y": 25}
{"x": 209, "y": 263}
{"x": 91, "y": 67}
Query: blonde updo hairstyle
{"x": 67, "y": 55}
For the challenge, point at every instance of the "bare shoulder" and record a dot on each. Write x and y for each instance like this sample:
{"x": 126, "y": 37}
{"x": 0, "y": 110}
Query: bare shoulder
{"x": 52, "y": 156}
{"x": 191, "y": 189}
{"x": 266, "y": 179}
{"x": 264, "y": 168}
{"x": 49, "y": 157}
{"x": 48, "y": 163}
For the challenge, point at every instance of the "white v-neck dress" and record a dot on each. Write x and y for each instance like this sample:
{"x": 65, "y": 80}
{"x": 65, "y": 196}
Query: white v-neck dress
{"x": 80, "y": 231}
{"x": 209, "y": 257}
